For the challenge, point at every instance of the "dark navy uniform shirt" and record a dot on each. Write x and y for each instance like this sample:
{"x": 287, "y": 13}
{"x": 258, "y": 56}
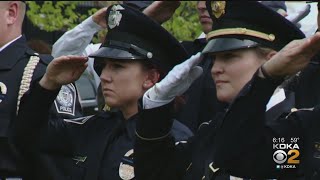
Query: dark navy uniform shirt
{"x": 201, "y": 103}
{"x": 13, "y": 60}
{"x": 93, "y": 147}
{"x": 238, "y": 142}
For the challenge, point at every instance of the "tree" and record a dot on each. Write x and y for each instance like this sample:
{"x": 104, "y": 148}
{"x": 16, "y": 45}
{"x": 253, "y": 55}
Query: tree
{"x": 64, "y": 15}
{"x": 55, "y": 15}
{"x": 185, "y": 24}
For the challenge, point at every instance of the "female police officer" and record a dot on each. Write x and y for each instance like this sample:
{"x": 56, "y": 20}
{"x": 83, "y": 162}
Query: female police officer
{"x": 135, "y": 55}
{"x": 243, "y": 38}
{"x": 288, "y": 145}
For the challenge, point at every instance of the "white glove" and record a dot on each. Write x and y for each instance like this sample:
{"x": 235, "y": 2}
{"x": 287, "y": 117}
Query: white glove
{"x": 178, "y": 80}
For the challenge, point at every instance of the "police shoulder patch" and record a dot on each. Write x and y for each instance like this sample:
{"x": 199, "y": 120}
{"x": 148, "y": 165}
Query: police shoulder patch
{"x": 80, "y": 120}
{"x": 66, "y": 100}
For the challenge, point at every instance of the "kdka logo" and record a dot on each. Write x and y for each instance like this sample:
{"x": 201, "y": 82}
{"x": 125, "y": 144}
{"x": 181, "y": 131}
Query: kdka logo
{"x": 286, "y": 153}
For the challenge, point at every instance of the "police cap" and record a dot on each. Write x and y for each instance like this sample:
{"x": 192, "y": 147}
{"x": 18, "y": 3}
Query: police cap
{"x": 247, "y": 24}
{"x": 134, "y": 36}
{"x": 139, "y": 5}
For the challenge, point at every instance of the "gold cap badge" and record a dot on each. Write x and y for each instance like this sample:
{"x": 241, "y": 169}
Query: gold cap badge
{"x": 218, "y": 8}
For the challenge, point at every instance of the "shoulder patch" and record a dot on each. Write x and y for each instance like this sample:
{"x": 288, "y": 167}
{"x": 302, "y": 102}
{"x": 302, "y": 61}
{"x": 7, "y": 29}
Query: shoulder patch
{"x": 80, "y": 120}
{"x": 66, "y": 100}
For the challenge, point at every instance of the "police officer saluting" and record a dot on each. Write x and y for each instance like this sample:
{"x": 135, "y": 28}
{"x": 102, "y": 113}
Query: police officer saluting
{"x": 19, "y": 66}
{"x": 250, "y": 59}
{"x": 136, "y": 54}
{"x": 289, "y": 145}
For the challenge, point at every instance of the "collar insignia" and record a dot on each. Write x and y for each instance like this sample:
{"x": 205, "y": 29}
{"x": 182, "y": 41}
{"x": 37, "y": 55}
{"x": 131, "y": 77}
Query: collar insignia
{"x": 79, "y": 159}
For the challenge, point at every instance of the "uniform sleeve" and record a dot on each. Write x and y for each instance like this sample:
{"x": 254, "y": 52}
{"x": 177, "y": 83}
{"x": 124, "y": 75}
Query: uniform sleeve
{"x": 245, "y": 140}
{"x": 77, "y": 41}
{"x": 156, "y": 155}
{"x": 32, "y": 130}
{"x": 67, "y": 103}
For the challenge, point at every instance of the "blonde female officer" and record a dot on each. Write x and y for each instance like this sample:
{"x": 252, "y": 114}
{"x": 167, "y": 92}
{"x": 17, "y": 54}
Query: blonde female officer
{"x": 243, "y": 45}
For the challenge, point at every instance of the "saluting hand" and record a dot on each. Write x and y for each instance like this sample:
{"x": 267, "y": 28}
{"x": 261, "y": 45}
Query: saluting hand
{"x": 293, "y": 57}
{"x": 99, "y": 17}
{"x": 63, "y": 70}
{"x": 176, "y": 82}
{"x": 161, "y": 11}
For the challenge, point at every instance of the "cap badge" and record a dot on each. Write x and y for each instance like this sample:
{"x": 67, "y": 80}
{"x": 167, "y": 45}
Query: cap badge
{"x": 218, "y": 8}
{"x": 115, "y": 16}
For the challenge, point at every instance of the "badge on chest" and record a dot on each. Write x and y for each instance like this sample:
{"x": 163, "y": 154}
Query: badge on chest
{"x": 126, "y": 169}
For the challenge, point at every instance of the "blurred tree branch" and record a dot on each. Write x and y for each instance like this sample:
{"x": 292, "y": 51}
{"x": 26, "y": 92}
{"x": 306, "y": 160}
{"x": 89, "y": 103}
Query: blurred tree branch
{"x": 64, "y": 15}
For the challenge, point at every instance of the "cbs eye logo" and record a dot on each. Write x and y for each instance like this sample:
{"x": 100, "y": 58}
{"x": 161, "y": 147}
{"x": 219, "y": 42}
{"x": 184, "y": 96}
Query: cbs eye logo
{"x": 280, "y": 156}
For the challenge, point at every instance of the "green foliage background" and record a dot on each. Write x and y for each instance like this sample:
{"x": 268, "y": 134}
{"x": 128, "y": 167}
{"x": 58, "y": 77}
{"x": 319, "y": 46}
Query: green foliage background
{"x": 62, "y": 15}
{"x": 185, "y": 24}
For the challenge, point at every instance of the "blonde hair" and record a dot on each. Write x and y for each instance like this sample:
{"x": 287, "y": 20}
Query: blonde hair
{"x": 263, "y": 51}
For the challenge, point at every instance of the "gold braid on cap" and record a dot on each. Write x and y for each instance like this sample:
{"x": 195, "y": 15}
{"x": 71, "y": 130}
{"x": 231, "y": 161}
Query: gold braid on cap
{"x": 241, "y": 31}
{"x": 27, "y": 77}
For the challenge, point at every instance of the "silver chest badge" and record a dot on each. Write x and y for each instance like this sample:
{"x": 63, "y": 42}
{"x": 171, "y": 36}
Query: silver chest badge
{"x": 126, "y": 169}
{"x": 115, "y": 16}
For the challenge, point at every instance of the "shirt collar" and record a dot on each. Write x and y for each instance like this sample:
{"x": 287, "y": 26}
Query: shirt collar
{"x": 202, "y": 35}
{"x": 6, "y": 45}
{"x": 130, "y": 125}
{"x": 13, "y": 53}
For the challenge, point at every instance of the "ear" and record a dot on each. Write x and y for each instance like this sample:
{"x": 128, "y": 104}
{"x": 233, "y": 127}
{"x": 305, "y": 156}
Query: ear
{"x": 270, "y": 55}
{"x": 12, "y": 16}
{"x": 152, "y": 78}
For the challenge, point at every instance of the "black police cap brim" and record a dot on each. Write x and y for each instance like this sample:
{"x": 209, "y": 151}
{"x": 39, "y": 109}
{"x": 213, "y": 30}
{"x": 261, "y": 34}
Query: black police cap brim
{"x": 227, "y": 44}
{"x": 113, "y": 53}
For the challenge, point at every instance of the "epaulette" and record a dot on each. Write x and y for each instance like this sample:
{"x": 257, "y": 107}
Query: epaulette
{"x": 31, "y": 52}
{"x": 46, "y": 58}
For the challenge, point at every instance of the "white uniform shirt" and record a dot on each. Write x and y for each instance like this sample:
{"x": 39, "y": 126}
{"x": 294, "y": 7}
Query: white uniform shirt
{"x": 77, "y": 42}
